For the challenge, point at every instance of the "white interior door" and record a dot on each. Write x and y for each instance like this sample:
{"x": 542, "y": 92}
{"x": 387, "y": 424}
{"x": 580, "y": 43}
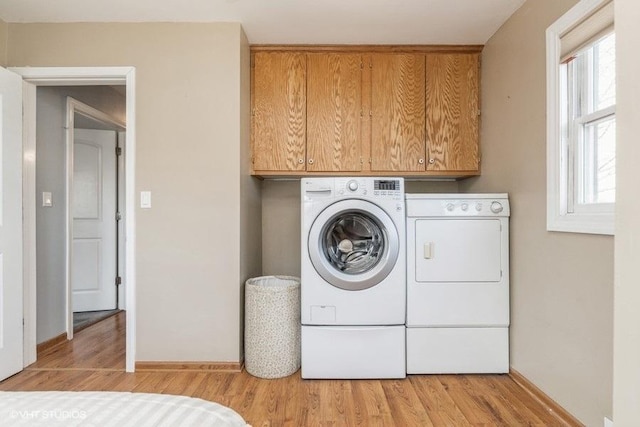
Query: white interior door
{"x": 94, "y": 220}
{"x": 10, "y": 224}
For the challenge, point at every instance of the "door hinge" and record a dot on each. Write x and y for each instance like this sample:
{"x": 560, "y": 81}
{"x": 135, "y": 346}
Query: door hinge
{"x": 118, "y": 280}
{"x": 118, "y": 216}
{"x": 118, "y": 151}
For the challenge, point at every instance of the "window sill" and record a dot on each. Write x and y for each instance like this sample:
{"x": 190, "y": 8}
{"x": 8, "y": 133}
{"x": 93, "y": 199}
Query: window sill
{"x": 581, "y": 223}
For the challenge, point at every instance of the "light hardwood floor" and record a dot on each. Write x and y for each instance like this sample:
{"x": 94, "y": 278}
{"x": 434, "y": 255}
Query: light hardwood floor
{"x": 94, "y": 360}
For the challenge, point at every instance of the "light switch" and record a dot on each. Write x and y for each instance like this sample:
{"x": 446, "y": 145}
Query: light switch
{"x": 145, "y": 199}
{"x": 428, "y": 250}
{"x": 47, "y": 200}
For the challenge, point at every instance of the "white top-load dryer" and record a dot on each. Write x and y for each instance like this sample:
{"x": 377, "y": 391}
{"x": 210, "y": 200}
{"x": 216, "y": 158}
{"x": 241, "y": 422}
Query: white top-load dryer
{"x": 353, "y": 278}
{"x": 457, "y": 283}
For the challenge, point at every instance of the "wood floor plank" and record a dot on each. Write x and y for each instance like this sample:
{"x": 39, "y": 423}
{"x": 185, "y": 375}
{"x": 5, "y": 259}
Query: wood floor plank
{"x": 153, "y": 383}
{"x": 437, "y": 402}
{"x": 178, "y": 382}
{"x": 509, "y": 394}
{"x": 467, "y": 401}
{"x": 371, "y": 403}
{"x": 341, "y": 402}
{"x": 406, "y": 408}
{"x": 193, "y": 385}
{"x": 94, "y": 360}
{"x": 16, "y": 382}
{"x": 313, "y": 392}
{"x": 293, "y": 400}
{"x": 268, "y": 405}
{"x": 98, "y": 381}
{"x": 212, "y": 388}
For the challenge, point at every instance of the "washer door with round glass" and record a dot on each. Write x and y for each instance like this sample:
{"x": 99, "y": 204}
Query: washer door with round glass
{"x": 353, "y": 244}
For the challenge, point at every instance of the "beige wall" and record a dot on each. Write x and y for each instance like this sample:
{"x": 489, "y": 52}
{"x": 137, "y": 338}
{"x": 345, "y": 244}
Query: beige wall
{"x": 561, "y": 283}
{"x": 626, "y": 394}
{"x": 4, "y": 32}
{"x": 281, "y": 228}
{"x": 250, "y": 190}
{"x": 191, "y": 105}
{"x": 281, "y": 222}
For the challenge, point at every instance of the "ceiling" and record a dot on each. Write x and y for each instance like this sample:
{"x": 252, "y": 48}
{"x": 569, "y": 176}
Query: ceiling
{"x": 294, "y": 21}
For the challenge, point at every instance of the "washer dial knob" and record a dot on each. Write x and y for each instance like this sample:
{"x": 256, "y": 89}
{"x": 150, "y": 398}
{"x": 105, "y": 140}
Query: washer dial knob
{"x": 450, "y": 207}
{"x": 352, "y": 185}
{"x": 496, "y": 207}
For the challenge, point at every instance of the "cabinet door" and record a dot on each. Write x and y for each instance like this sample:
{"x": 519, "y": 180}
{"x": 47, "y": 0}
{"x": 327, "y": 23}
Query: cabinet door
{"x": 334, "y": 107}
{"x": 398, "y": 112}
{"x": 452, "y": 111}
{"x": 279, "y": 114}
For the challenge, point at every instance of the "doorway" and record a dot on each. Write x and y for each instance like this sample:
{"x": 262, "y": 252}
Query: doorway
{"x": 56, "y": 76}
{"x": 76, "y": 206}
{"x": 96, "y": 146}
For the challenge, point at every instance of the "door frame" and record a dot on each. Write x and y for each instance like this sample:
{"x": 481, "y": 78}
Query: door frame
{"x": 75, "y": 76}
{"x": 74, "y": 106}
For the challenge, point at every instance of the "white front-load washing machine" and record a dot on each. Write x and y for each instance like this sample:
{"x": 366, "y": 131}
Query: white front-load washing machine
{"x": 353, "y": 278}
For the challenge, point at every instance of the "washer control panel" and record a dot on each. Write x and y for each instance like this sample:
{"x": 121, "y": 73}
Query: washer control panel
{"x": 391, "y": 188}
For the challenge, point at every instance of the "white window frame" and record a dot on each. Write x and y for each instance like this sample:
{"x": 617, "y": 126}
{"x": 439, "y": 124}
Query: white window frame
{"x": 598, "y": 219}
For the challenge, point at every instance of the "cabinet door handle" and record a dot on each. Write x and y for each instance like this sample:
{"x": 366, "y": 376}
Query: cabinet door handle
{"x": 421, "y": 161}
{"x": 432, "y": 161}
{"x": 310, "y": 161}
{"x": 301, "y": 161}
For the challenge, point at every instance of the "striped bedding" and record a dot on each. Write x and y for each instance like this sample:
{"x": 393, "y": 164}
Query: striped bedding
{"x": 112, "y": 409}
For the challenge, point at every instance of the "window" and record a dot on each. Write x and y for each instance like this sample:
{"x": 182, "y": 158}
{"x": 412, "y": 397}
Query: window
{"x": 581, "y": 123}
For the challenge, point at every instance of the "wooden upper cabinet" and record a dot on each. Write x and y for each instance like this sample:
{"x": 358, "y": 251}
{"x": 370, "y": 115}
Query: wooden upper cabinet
{"x": 452, "y": 111}
{"x": 406, "y": 111}
{"x": 334, "y": 108}
{"x": 397, "y": 112}
{"x": 279, "y": 111}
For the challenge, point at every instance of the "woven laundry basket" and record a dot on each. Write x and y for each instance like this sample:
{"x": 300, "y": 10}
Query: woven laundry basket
{"x": 272, "y": 326}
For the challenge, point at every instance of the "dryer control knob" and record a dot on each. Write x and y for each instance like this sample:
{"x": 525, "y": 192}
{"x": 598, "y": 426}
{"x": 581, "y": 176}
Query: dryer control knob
{"x": 352, "y": 185}
{"x": 496, "y": 207}
{"x": 479, "y": 207}
{"x": 450, "y": 207}
{"x": 464, "y": 206}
